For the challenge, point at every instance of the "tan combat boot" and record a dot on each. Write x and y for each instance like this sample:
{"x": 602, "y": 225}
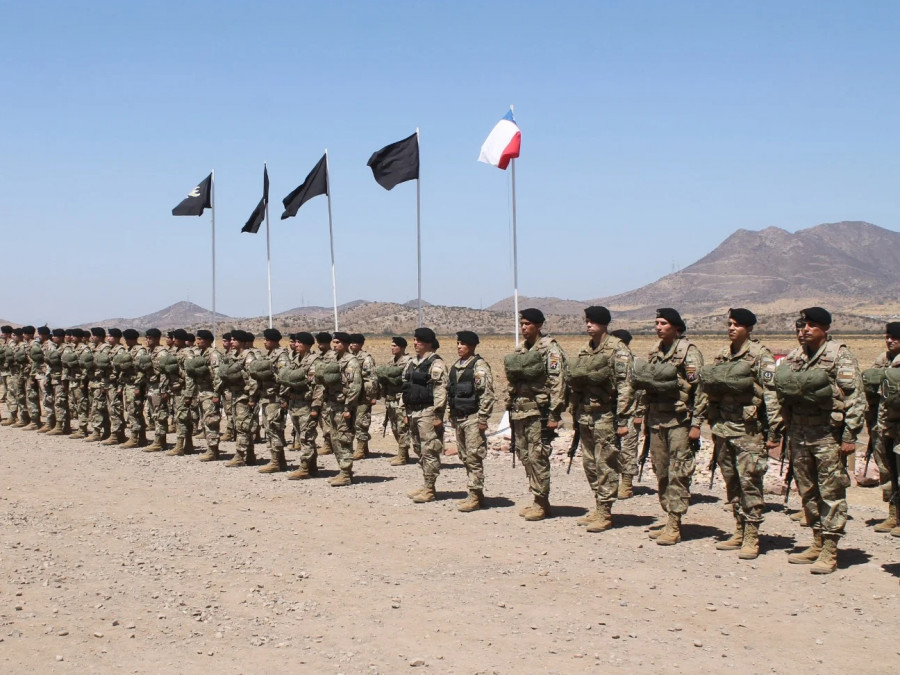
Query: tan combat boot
{"x": 473, "y": 502}
{"x": 326, "y": 447}
{"x": 412, "y": 493}
{"x": 131, "y": 443}
{"x": 300, "y": 473}
{"x": 9, "y": 421}
{"x": 800, "y": 517}
{"x": 58, "y": 430}
{"x": 211, "y": 454}
{"x": 626, "y": 486}
{"x": 750, "y": 547}
{"x": 587, "y": 518}
{"x": 276, "y": 463}
{"x": 657, "y": 527}
{"x": 528, "y": 509}
{"x": 47, "y": 428}
{"x": 401, "y": 458}
{"x": 737, "y": 539}
{"x": 34, "y": 425}
{"x": 811, "y": 554}
{"x": 226, "y": 437}
{"x": 827, "y": 560}
{"x": 426, "y": 494}
{"x": 604, "y": 518}
{"x": 93, "y": 438}
{"x": 78, "y": 434}
{"x": 540, "y": 510}
{"x": 345, "y": 477}
{"x": 238, "y": 459}
{"x": 890, "y": 522}
{"x": 158, "y": 444}
{"x": 671, "y": 535}
{"x": 895, "y": 532}
{"x": 115, "y": 439}
{"x": 178, "y": 450}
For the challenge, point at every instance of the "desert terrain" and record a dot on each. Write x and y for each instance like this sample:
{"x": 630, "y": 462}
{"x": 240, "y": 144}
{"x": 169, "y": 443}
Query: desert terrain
{"x": 116, "y": 560}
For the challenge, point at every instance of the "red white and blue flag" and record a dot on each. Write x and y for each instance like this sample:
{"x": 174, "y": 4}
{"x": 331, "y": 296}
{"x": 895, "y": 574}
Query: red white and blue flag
{"x": 502, "y": 143}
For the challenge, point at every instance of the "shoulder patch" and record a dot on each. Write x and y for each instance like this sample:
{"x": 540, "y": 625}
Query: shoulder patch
{"x": 846, "y": 375}
{"x": 691, "y": 373}
{"x": 554, "y": 363}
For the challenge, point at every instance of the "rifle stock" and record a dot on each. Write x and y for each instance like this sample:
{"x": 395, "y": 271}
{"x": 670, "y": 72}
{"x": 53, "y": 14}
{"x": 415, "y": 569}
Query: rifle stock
{"x": 576, "y": 439}
{"x": 645, "y": 452}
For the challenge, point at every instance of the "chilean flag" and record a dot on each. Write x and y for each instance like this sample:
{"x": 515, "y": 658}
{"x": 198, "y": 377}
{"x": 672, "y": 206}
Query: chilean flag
{"x": 502, "y": 143}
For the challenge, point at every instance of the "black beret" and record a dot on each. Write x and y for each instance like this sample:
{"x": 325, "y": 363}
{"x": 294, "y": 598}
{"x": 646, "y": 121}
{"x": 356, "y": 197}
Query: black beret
{"x": 18, "y": 331}
{"x": 85, "y": 333}
{"x": 226, "y": 336}
{"x": 467, "y": 337}
{"x": 28, "y": 330}
{"x": 305, "y": 338}
{"x": 6, "y": 330}
{"x": 425, "y": 335}
{"x": 43, "y": 330}
{"x": 70, "y": 332}
{"x": 272, "y": 334}
{"x": 742, "y": 317}
{"x": 323, "y": 337}
{"x": 59, "y": 332}
{"x": 247, "y": 336}
{"x": 114, "y": 332}
{"x": 96, "y": 331}
{"x": 191, "y": 337}
{"x": 180, "y": 334}
{"x": 622, "y": 334}
{"x": 598, "y": 314}
{"x": 357, "y": 338}
{"x": 341, "y": 336}
{"x": 672, "y": 316}
{"x": 532, "y": 315}
{"x": 130, "y": 334}
{"x": 816, "y": 315}
{"x": 205, "y": 335}
{"x": 893, "y": 329}
{"x": 154, "y": 333}
{"x": 399, "y": 341}
{"x": 236, "y": 335}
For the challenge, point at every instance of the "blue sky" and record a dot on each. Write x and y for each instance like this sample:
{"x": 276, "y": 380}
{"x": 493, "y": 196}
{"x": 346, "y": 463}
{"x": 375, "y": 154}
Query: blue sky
{"x": 651, "y": 131}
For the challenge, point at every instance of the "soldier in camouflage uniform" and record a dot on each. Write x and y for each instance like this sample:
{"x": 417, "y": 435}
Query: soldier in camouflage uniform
{"x": 674, "y": 410}
{"x": 326, "y": 353}
{"x": 78, "y": 377}
{"x": 157, "y": 391}
{"x": 471, "y": 402}
{"x": 225, "y": 354}
{"x": 342, "y": 380}
{"x": 184, "y": 432}
{"x": 98, "y": 385}
{"x": 16, "y": 360}
{"x": 57, "y": 383}
{"x": 133, "y": 382}
{"x": 602, "y": 405}
{"x": 5, "y": 339}
{"x": 243, "y": 389}
{"x": 305, "y": 399}
{"x": 745, "y": 417}
{"x": 873, "y": 378}
{"x": 33, "y": 377}
{"x": 628, "y": 452}
{"x": 425, "y": 400}
{"x": 170, "y": 399}
{"x": 272, "y": 400}
{"x": 536, "y": 401}
{"x": 391, "y": 385}
{"x": 822, "y": 423}
{"x": 114, "y": 391}
{"x": 41, "y": 372}
{"x": 369, "y": 396}
{"x": 203, "y": 386}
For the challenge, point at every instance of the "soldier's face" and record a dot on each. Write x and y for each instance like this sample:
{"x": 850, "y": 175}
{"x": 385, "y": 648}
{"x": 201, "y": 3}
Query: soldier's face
{"x": 226, "y": 344}
{"x": 270, "y": 344}
{"x": 204, "y": 344}
{"x": 893, "y": 344}
{"x": 355, "y": 347}
{"x": 396, "y": 350}
{"x": 170, "y": 342}
{"x": 736, "y": 332}
{"x": 179, "y": 344}
{"x": 463, "y": 350}
{"x": 421, "y": 348}
{"x": 152, "y": 343}
{"x": 57, "y": 340}
{"x": 339, "y": 347}
{"x": 595, "y": 330}
{"x": 323, "y": 346}
{"x": 529, "y": 330}
{"x": 665, "y": 331}
{"x": 301, "y": 348}
{"x": 814, "y": 333}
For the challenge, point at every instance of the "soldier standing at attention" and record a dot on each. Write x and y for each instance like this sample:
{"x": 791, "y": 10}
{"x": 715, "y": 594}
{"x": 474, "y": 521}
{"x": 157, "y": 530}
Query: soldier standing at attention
{"x": 114, "y": 391}
{"x": 740, "y": 388}
{"x": 71, "y": 376}
{"x": 157, "y": 409}
{"x": 390, "y": 381}
{"x": 602, "y": 406}
{"x": 57, "y": 382}
{"x": 18, "y": 369}
{"x": 369, "y": 396}
{"x": 42, "y": 377}
{"x": 242, "y": 386}
{"x": 628, "y": 453}
{"x": 225, "y": 354}
{"x": 33, "y": 377}
{"x": 204, "y": 386}
{"x": 824, "y": 405}
{"x": 342, "y": 380}
{"x": 101, "y": 366}
{"x": 323, "y": 343}
{"x": 675, "y": 408}
{"x": 5, "y": 340}
{"x": 177, "y": 380}
{"x": 536, "y": 388}
{"x": 471, "y": 402}
{"x": 304, "y": 402}
{"x": 133, "y": 382}
{"x": 271, "y": 399}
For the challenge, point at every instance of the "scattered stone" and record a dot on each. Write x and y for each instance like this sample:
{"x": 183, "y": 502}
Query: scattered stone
{"x": 415, "y": 663}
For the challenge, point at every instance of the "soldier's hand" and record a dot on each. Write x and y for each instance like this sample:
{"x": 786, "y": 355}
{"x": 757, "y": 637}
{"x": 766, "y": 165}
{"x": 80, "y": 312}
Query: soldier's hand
{"x": 438, "y": 423}
{"x": 638, "y": 421}
{"x": 346, "y": 415}
{"x": 215, "y": 400}
{"x": 771, "y": 445}
{"x": 482, "y": 426}
{"x": 373, "y": 401}
{"x": 621, "y": 432}
{"x": 552, "y": 424}
{"x": 284, "y": 405}
{"x": 694, "y": 433}
{"x": 187, "y": 400}
{"x": 847, "y": 448}
{"x": 313, "y": 413}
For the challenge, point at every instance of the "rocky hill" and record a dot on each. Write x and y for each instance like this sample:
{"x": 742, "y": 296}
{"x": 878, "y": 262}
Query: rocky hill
{"x": 179, "y": 315}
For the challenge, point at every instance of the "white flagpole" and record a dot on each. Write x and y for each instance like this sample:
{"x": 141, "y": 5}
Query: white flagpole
{"x": 515, "y": 253}
{"x": 419, "y": 230}
{"x": 331, "y": 238}
{"x": 268, "y": 252}
{"x": 212, "y": 203}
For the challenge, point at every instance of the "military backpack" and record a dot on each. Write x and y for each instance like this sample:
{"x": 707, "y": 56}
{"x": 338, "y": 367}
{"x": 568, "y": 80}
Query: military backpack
{"x": 525, "y": 366}
{"x": 804, "y": 386}
{"x": 729, "y": 378}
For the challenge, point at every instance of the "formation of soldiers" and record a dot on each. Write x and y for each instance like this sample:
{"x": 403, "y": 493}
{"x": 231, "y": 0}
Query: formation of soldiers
{"x": 105, "y": 386}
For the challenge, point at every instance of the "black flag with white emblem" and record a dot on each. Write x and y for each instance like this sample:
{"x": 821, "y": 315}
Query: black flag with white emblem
{"x": 198, "y": 199}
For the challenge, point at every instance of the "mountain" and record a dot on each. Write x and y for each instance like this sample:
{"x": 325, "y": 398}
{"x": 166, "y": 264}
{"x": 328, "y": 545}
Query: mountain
{"x": 317, "y": 311}
{"x": 179, "y": 315}
{"x": 546, "y": 305}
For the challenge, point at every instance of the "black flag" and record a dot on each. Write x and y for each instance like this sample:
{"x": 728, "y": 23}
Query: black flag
{"x": 197, "y": 200}
{"x": 316, "y": 184}
{"x": 259, "y": 212}
{"x": 396, "y": 163}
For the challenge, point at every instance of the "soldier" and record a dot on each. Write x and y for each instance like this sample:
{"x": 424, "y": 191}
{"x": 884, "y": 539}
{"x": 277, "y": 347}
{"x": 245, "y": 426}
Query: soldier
{"x": 390, "y": 382}
{"x": 536, "y": 390}
{"x": 234, "y": 377}
{"x": 133, "y": 380}
{"x": 5, "y": 340}
{"x": 204, "y": 386}
{"x": 78, "y": 373}
{"x": 628, "y": 454}
{"x": 101, "y": 367}
{"x": 674, "y": 409}
{"x": 602, "y": 406}
{"x": 225, "y": 355}
{"x": 270, "y": 399}
{"x": 170, "y": 398}
{"x": 745, "y": 418}
{"x": 369, "y": 396}
{"x": 342, "y": 380}
{"x": 56, "y": 383}
{"x": 177, "y": 382}
{"x": 41, "y": 370}
{"x": 873, "y": 378}
{"x": 118, "y": 354}
{"x": 17, "y": 361}
{"x": 305, "y": 398}
{"x": 323, "y": 343}
{"x": 824, "y": 405}
{"x": 425, "y": 400}
{"x": 33, "y": 377}
{"x": 471, "y": 402}
{"x": 157, "y": 390}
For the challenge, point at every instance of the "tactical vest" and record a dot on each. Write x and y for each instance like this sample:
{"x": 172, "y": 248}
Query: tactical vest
{"x": 36, "y": 352}
{"x": 21, "y": 357}
{"x": 328, "y": 373}
{"x": 86, "y": 359}
{"x": 418, "y": 389}
{"x": 54, "y": 358}
{"x": 660, "y": 379}
{"x": 123, "y": 361}
{"x": 102, "y": 362}
{"x": 463, "y": 397}
{"x": 525, "y": 366}
{"x": 70, "y": 360}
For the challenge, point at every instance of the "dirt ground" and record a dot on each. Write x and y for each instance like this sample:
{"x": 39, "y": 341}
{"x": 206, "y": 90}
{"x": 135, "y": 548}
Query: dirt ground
{"x": 116, "y": 560}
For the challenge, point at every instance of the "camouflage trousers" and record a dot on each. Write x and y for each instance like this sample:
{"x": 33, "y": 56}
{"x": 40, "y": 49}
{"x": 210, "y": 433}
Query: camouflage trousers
{"x": 427, "y": 441}
{"x": 184, "y": 417}
{"x": 59, "y": 393}
{"x": 48, "y": 401}
{"x": 396, "y": 417}
{"x": 821, "y": 476}
{"x": 533, "y": 445}
{"x": 99, "y": 412}
{"x": 884, "y": 462}
{"x": 363, "y": 422}
{"x": 210, "y": 416}
{"x": 743, "y": 461}
{"x": 14, "y": 395}
{"x": 471, "y": 445}
{"x": 341, "y": 433}
{"x": 600, "y": 454}
{"x": 33, "y": 398}
{"x": 628, "y": 454}
{"x": 79, "y": 406}
{"x": 245, "y": 422}
{"x": 4, "y": 388}
{"x": 116, "y": 409}
{"x": 305, "y": 428}
{"x": 228, "y": 407}
{"x": 673, "y": 463}
{"x": 325, "y": 422}
{"x": 134, "y": 409}
{"x": 157, "y": 411}
{"x": 273, "y": 415}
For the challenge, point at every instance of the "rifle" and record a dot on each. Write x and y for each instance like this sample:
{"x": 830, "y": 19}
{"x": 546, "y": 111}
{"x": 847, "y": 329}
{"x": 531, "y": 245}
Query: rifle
{"x": 512, "y": 443}
{"x": 645, "y": 451}
{"x": 870, "y": 450}
{"x": 713, "y": 462}
{"x": 576, "y": 439}
{"x": 895, "y": 474}
{"x": 384, "y": 425}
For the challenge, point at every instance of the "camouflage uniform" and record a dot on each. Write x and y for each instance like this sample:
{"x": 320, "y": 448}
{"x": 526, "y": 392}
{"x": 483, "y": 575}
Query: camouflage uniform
{"x": 324, "y": 420}
{"x": 16, "y": 361}
{"x": 4, "y": 370}
{"x": 133, "y": 383}
{"x": 428, "y": 440}
{"x": 270, "y": 400}
{"x": 876, "y": 436}
{"x": 55, "y": 388}
{"x": 531, "y": 405}
{"x": 738, "y": 423}
{"x": 364, "y": 408}
{"x": 471, "y": 442}
{"x": 815, "y": 435}
{"x": 34, "y": 380}
{"x": 157, "y": 392}
{"x": 886, "y": 453}
{"x": 202, "y": 390}
{"x": 339, "y": 399}
{"x": 246, "y": 422}
{"x": 114, "y": 402}
{"x": 599, "y": 409}
{"x": 79, "y": 401}
{"x": 301, "y": 404}
{"x": 395, "y": 412}
{"x": 98, "y": 388}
